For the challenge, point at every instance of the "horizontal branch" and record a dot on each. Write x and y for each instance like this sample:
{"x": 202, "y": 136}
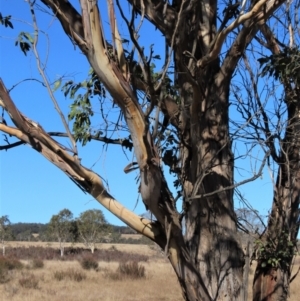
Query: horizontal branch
{"x": 11, "y": 145}
{"x": 123, "y": 142}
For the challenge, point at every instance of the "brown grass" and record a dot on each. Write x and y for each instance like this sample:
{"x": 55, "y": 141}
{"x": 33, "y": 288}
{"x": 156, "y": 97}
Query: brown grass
{"x": 159, "y": 284}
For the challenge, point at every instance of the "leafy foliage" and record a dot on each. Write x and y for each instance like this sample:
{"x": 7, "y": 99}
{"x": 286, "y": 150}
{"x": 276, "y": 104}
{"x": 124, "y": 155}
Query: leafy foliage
{"x": 6, "y": 21}
{"x": 284, "y": 66}
{"x": 25, "y": 41}
{"x": 92, "y": 227}
{"x": 5, "y": 228}
{"x": 276, "y": 253}
{"x": 61, "y": 226}
{"x": 81, "y": 108}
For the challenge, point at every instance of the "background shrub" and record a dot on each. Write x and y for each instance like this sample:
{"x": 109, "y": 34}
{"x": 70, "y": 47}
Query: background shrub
{"x": 89, "y": 263}
{"x": 37, "y": 263}
{"x": 10, "y": 263}
{"x": 48, "y": 253}
{"x": 29, "y": 281}
{"x": 4, "y": 275}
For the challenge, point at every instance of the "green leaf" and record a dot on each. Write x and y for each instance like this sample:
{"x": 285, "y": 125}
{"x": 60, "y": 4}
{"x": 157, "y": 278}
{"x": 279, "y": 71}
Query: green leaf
{"x": 28, "y": 37}
{"x": 56, "y": 85}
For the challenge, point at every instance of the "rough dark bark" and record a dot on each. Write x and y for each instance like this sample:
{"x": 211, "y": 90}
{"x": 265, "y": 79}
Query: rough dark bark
{"x": 272, "y": 283}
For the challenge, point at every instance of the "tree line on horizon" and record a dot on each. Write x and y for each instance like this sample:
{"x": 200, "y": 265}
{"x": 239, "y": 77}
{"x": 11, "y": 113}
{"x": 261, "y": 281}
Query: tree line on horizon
{"x": 89, "y": 228}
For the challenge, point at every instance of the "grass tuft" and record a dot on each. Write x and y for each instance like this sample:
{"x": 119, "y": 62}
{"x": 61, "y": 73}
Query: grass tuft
{"x": 9, "y": 263}
{"x": 37, "y": 264}
{"x": 29, "y": 281}
{"x": 132, "y": 270}
{"x": 128, "y": 270}
{"x": 89, "y": 263}
{"x": 70, "y": 274}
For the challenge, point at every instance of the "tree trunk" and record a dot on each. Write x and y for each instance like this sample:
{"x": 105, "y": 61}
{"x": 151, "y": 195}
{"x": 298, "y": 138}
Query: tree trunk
{"x": 211, "y": 234}
{"x": 207, "y": 169}
{"x": 207, "y": 259}
{"x": 61, "y": 247}
{"x": 272, "y": 276}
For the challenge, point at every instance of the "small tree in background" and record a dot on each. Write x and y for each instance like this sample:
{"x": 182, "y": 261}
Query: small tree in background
{"x": 92, "y": 227}
{"x": 250, "y": 221}
{"x": 5, "y": 231}
{"x": 61, "y": 226}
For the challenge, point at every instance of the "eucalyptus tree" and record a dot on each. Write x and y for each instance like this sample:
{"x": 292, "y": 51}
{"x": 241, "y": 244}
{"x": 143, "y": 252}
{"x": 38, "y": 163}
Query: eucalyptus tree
{"x": 5, "y": 231}
{"x": 92, "y": 227}
{"x": 179, "y": 117}
{"x": 61, "y": 227}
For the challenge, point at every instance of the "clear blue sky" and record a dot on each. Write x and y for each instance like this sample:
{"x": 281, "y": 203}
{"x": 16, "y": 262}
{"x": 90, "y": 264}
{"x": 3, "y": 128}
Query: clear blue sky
{"x": 31, "y": 188}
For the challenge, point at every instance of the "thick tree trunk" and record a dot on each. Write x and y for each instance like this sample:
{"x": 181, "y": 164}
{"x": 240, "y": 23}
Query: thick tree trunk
{"x": 207, "y": 172}
{"x": 211, "y": 234}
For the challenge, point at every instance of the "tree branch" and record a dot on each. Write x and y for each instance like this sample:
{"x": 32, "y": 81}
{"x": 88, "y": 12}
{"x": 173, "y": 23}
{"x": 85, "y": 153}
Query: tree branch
{"x": 46, "y": 82}
{"x": 159, "y": 13}
{"x": 260, "y": 171}
{"x": 123, "y": 142}
{"x": 11, "y": 145}
{"x": 85, "y": 178}
{"x": 68, "y": 16}
{"x": 258, "y": 15}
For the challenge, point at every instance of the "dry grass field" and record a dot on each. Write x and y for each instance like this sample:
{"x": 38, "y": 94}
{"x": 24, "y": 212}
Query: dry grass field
{"x": 66, "y": 280}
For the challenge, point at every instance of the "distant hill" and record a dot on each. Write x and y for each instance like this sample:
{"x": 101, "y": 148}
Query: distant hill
{"x": 24, "y": 231}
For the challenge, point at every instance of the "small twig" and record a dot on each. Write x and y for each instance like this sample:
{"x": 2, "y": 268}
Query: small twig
{"x": 122, "y": 142}
{"x": 46, "y": 82}
{"x": 12, "y": 145}
{"x": 24, "y": 80}
{"x": 204, "y": 195}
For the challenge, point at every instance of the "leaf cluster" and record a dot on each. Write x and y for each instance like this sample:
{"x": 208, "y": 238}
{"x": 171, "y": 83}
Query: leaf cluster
{"x": 276, "y": 253}
{"x": 92, "y": 226}
{"x": 6, "y": 21}
{"x": 62, "y": 225}
{"x": 5, "y": 228}
{"x": 81, "y": 108}
{"x": 25, "y": 41}
{"x": 284, "y": 66}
